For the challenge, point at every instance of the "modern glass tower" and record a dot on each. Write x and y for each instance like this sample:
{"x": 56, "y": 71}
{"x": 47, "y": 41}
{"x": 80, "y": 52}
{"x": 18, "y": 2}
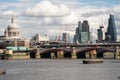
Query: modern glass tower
{"x": 100, "y": 33}
{"x": 77, "y": 36}
{"x": 82, "y": 34}
{"x": 86, "y": 28}
{"x": 111, "y": 33}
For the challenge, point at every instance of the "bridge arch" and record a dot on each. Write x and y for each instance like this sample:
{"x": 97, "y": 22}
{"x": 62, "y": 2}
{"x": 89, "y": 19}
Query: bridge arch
{"x": 81, "y": 53}
{"x": 100, "y": 53}
{"x": 47, "y": 52}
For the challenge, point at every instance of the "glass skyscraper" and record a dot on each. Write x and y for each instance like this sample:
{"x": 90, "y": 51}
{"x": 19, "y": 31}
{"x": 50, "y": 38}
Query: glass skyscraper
{"x": 111, "y": 34}
{"x": 86, "y": 28}
{"x": 100, "y": 33}
{"x": 82, "y": 34}
{"x": 77, "y": 36}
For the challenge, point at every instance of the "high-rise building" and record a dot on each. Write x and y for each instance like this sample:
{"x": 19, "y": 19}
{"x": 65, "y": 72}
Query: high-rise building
{"x": 100, "y": 33}
{"x": 111, "y": 34}
{"x": 84, "y": 37}
{"x": 77, "y": 36}
{"x": 66, "y": 37}
{"x": 82, "y": 34}
{"x": 85, "y": 28}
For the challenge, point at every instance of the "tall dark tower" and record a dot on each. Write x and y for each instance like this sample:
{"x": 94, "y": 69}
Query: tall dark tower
{"x": 82, "y": 33}
{"x": 100, "y": 33}
{"x": 77, "y": 37}
{"x": 86, "y": 28}
{"x": 111, "y": 33}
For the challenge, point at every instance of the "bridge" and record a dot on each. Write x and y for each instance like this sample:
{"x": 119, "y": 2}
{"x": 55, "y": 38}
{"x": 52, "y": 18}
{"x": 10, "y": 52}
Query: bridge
{"x": 79, "y": 45}
{"x": 68, "y": 51}
{"x": 78, "y": 52}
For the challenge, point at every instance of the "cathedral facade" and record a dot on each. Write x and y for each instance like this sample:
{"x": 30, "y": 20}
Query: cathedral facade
{"x": 11, "y": 37}
{"x": 12, "y": 31}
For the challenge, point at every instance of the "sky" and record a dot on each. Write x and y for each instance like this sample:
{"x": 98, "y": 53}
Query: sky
{"x": 53, "y": 17}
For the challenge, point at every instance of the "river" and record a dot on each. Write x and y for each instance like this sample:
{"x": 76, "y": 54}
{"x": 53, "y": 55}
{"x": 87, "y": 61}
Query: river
{"x": 59, "y": 69}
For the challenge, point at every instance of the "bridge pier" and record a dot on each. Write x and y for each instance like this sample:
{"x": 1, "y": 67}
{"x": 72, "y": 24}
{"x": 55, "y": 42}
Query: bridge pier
{"x": 87, "y": 54}
{"x": 38, "y": 53}
{"x": 93, "y": 54}
{"x": 52, "y": 55}
{"x": 116, "y": 54}
{"x": 60, "y": 54}
{"x": 73, "y": 54}
{"x": 8, "y": 54}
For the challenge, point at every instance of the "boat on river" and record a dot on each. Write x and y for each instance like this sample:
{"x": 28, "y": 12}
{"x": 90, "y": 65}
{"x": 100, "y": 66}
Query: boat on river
{"x": 92, "y": 61}
{"x": 2, "y": 71}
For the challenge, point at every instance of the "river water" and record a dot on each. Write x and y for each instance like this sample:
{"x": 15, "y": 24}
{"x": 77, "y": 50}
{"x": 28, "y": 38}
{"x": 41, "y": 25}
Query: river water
{"x": 59, "y": 69}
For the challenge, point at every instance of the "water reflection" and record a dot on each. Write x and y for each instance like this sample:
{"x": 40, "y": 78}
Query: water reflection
{"x": 60, "y": 69}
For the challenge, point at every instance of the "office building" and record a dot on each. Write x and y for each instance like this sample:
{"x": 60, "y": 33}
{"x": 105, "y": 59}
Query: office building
{"x": 65, "y": 36}
{"x": 82, "y": 34}
{"x": 77, "y": 36}
{"x": 100, "y": 33}
{"x": 111, "y": 34}
{"x": 85, "y": 28}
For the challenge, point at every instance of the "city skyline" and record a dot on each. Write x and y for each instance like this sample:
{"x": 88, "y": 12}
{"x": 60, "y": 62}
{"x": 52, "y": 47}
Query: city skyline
{"x": 49, "y": 16}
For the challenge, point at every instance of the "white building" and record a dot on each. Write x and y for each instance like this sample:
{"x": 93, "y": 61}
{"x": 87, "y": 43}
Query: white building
{"x": 40, "y": 38}
{"x": 11, "y": 36}
{"x": 12, "y": 30}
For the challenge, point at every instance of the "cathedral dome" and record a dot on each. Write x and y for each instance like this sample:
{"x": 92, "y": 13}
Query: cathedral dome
{"x": 12, "y": 31}
{"x": 12, "y": 26}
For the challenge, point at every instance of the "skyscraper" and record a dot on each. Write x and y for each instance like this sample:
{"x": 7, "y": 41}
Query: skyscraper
{"x": 77, "y": 37}
{"x": 85, "y": 28}
{"x": 82, "y": 34}
{"x": 65, "y": 36}
{"x": 100, "y": 33}
{"x": 111, "y": 33}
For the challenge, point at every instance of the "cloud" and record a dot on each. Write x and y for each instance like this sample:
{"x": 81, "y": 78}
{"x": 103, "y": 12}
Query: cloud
{"x": 47, "y": 9}
{"x": 10, "y": 12}
{"x": 48, "y": 16}
{"x": 48, "y": 21}
{"x": 51, "y": 14}
{"x": 70, "y": 19}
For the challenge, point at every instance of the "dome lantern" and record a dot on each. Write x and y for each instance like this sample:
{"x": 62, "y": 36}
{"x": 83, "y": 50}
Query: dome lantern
{"x": 12, "y": 20}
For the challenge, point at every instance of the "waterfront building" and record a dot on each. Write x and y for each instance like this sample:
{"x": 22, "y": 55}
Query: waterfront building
{"x": 11, "y": 37}
{"x": 82, "y": 33}
{"x": 100, "y": 34}
{"x": 77, "y": 36}
{"x": 65, "y": 36}
{"x": 111, "y": 34}
{"x": 18, "y": 43}
{"x": 38, "y": 38}
{"x": 84, "y": 37}
{"x": 85, "y": 28}
{"x": 2, "y": 38}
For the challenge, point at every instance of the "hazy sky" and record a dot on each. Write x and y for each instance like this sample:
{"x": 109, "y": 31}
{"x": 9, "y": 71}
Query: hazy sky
{"x": 52, "y": 16}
